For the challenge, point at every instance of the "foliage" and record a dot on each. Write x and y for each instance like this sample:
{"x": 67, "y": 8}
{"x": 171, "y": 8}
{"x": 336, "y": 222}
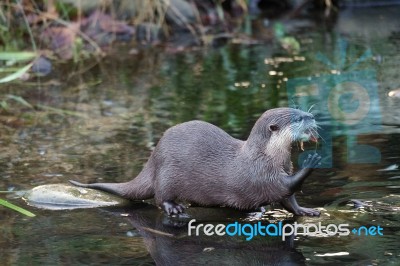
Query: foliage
{"x": 12, "y": 58}
{"x": 16, "y": 208}
{"x": 288, "y": 42}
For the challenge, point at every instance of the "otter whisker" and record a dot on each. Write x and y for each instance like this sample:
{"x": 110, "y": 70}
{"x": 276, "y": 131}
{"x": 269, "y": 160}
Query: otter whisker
{"x": 313, "y": 131}
{"x": 318, "y": 126}
{"x": 311, "y": 107}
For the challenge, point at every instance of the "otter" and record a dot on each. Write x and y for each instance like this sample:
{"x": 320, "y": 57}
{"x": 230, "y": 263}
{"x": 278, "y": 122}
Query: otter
{"x": 200, "y": 163}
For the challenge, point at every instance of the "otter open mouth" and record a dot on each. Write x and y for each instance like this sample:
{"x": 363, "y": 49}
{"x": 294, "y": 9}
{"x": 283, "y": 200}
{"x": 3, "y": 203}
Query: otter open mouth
{"x": 307, "y": 136}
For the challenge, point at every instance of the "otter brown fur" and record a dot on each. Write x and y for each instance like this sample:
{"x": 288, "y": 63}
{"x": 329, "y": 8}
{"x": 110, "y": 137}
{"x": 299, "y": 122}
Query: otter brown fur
{"x": 200, "y": 163}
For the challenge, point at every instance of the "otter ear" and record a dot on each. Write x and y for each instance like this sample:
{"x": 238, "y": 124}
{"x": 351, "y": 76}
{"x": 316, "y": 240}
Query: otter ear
{"x": 273, "y": 127}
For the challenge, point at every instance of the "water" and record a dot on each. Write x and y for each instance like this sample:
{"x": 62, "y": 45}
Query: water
{"x": 122, "y": 106}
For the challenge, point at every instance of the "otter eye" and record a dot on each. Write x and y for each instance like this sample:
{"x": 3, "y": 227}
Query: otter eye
{"x": 299, "y": 119}
{"x": 273, "y": 127}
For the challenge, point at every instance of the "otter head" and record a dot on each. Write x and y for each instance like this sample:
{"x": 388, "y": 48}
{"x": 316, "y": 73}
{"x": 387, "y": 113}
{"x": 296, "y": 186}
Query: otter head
{"x": 277, "y": 129}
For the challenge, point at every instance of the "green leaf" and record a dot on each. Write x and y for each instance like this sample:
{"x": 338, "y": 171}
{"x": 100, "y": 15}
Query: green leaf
{"x": 16, "y": 74}
{"x": 4, "y": 105}
{"x": 20, "y": 100}
{"x": 279, "y": 30}
{"x": 8, "y": 69}
{"x": 60, "y": 111}
{"x": 16, "y": 208}
{"x": 17, "y": 56}
{"x": 291, "y": 44}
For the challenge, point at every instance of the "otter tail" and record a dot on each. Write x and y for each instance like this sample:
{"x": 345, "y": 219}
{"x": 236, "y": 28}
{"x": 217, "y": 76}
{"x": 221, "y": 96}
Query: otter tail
{"x": 141, "y": 187}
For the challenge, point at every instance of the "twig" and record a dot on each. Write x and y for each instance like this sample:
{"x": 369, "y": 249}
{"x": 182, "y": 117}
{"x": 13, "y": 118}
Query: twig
{"x": 157, "y": 232}
{"x": 28, "y": 26}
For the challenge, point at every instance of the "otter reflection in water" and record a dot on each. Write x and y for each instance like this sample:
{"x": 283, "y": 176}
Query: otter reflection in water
{"x": 168, "y": 242}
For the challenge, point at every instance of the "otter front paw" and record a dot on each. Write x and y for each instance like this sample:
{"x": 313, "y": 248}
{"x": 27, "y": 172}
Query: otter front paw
{"x": 170, "y": 207}
{"x": 312, "y": 161}
{"x": 301, "y": 211}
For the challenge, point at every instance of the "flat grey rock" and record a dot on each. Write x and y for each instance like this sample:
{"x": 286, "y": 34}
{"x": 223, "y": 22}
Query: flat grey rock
{"x": 63, "y": 196}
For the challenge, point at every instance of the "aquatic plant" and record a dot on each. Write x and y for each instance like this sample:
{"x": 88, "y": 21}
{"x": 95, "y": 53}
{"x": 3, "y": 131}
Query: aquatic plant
{"x": 16, "y": 208}
{"x": 15, "y": 58}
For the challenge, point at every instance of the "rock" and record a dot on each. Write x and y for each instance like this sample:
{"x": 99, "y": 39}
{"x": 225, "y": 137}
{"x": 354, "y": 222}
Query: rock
{"x": 62, "y": 197}
{"x": 41, "y": 66}
{"x": 104, "y": 29}
{"x": 394, "y": 93}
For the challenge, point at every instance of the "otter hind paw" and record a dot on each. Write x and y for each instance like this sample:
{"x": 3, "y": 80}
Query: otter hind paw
{"x": 171, "y": 208}
{"x": 301, "y": 211}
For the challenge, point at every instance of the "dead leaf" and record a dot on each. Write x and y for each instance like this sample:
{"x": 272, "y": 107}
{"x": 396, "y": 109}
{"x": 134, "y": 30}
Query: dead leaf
{"x": 61, "y": 39}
